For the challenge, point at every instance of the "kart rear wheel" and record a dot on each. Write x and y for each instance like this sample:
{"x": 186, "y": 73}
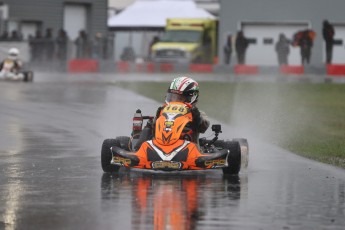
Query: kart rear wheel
{"x": 106, "y": 155}
{"x": 234, "y": 157}
{"x": 244, "y": 151}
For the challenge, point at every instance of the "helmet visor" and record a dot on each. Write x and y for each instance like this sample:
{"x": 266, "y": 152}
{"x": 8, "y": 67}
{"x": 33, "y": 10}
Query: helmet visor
{"x": 13, "y": 55}
{"x": 176, "y": 97}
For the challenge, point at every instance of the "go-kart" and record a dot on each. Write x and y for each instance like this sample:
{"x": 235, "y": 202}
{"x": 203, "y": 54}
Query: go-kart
{"x": 26, "y": 76}
{"x": 7, "y": 73}
{"x": 170, "y": 148}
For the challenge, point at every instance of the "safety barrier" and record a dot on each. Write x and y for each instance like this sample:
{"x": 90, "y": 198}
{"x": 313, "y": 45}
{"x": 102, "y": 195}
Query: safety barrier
{"x": 336, "y": 70}
{"x": 166, "y": 67}
{"x": 201, "y": 68}
{"x": 246, "y": 69}
{"x": 94, "y": 65}
{"x": 83, "y": 66}
{"x": 150, "y": 67}
{"x": 123, "y": 67}
{"x": 292, "y": 69}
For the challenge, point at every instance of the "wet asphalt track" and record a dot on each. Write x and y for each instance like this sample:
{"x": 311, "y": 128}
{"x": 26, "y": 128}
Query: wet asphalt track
{"x": 51, "y": 133}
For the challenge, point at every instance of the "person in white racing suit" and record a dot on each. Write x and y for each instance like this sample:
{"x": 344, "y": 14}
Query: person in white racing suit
{"x": 10, "y": 67}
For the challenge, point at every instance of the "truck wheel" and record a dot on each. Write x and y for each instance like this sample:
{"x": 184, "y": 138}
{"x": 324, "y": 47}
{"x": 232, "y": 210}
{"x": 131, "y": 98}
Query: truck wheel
{"x": 124, "y": 142}
{"x": 234, "y": 157}
{"x": 106, "y": 155}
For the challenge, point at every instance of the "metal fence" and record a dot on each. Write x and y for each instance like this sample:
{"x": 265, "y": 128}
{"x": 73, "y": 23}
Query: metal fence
{"x": 46, "y": 50}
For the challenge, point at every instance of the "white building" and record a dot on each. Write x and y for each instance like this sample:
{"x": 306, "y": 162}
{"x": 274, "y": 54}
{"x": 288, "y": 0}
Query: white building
{"x": 264, "y": 20}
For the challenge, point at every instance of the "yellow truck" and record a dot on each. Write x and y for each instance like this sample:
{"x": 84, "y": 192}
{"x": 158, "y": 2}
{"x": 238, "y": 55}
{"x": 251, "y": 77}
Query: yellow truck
{"x": 187, "y": 41}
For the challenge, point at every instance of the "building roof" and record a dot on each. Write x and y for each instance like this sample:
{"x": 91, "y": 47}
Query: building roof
{"x": 119, "y": 4}
{"x": 152, "y": 14}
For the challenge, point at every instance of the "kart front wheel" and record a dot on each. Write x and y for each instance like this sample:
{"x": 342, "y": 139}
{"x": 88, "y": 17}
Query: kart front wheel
{"x": 28, "y": 76}
{"x": 106, "y": 155}
{"x": 234, "y": 157}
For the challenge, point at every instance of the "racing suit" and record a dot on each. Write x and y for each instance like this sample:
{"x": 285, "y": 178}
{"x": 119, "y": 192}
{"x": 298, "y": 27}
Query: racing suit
{"x": 10, "y": 69}
{"x": 199, "y": 124}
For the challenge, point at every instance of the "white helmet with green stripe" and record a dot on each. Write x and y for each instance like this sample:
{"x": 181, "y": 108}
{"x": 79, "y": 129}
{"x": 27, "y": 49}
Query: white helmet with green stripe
{"x": 183, "y": 89}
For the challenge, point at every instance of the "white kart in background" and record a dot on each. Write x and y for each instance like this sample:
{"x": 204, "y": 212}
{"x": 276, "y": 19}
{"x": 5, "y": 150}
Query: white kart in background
{"x": 7, "y": 75}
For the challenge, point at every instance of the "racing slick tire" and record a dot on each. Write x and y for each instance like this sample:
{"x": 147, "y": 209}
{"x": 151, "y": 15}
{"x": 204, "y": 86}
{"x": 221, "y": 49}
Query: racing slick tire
{"x": 234, "y": 157}
{"x": 106, "y": 155}
{"x": 28, "y": 76}
{"x": 244, "y": 151}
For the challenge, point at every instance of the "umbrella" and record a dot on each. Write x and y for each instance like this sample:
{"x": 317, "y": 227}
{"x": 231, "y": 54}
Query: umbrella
{"x": 298, "y": 35}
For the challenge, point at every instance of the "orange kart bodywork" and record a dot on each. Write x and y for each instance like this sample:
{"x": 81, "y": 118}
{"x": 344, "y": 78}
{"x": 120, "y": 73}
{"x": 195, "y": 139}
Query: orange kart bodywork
{"x": 167, "y": 151}
{"x": 182, "y": 155}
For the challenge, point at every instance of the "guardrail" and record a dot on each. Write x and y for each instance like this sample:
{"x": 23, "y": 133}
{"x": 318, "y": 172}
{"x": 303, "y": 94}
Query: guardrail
{"x": 95, "y": 65}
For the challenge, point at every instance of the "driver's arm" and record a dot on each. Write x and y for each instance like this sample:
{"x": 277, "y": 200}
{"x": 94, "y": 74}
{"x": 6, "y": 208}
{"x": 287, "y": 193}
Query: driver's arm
{"x": 18, "y": 65}
{"x": 200, "y": 120}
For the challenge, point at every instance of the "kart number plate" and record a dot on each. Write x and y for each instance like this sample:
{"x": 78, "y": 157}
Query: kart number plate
{"x": 166, "y": 165}
{"x": 177, "y": 109}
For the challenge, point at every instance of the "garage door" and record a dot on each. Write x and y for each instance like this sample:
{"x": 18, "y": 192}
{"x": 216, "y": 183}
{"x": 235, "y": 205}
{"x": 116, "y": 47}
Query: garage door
{"x": 29, "y": 29}
{"x": 339, "y": 46}
{"x": 266, "y": 35}
{"x": 75, "y": 19}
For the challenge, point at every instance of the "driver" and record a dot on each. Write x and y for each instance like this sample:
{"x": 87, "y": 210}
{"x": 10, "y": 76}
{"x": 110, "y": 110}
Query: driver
{"x": 11, "y": 66}
{"x": 186, "y": 90}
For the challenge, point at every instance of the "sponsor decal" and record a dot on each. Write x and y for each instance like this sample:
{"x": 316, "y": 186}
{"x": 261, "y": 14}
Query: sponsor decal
{"x": 166, "y": 165}
{"x": 121, "y": 160}
{"x": 166, "y": 139}
{"x": 168, "y": 124}
{"x": 217, "y": 162}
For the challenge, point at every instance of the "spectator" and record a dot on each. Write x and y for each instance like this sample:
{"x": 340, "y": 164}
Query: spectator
{"x": 305, "y": 43}
{"x": 107, "y": 47}
{"x": 128, "y": 54}
{"x": 241, "y": 46}
{"x": 36, "y": 46}
{"x": 15, "y": 36}
{"x": 283, "y": 49}
{"x": 228, "y": 49}
{"x": 97, "y": 46}
{"x": 61, "y": 45}
{"x": 49, "y": 45}
{"x": 5, "y": 36}
{"x": 328, "y": 35}
{"x": 154, "y": 41}
{"x": 83, "y": 46}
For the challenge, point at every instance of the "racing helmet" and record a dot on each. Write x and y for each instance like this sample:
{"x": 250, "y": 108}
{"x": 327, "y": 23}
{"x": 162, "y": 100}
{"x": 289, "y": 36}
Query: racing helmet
{"x": 183, "y": 89}
{"x": 13, "y": 53}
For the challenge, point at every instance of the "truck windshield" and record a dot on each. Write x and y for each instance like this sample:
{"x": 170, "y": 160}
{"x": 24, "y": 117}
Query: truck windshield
{"x": 181, "y": 36}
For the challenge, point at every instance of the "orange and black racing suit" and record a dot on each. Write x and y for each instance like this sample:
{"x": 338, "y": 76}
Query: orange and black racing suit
{"x": 199, "y": 124}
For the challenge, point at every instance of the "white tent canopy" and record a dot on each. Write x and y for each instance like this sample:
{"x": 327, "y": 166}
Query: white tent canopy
{"x": 152, "y": 14}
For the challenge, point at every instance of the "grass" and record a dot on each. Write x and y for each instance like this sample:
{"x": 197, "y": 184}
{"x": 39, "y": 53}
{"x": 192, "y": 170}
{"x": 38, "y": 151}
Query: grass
{"x": 307, "y": 119}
